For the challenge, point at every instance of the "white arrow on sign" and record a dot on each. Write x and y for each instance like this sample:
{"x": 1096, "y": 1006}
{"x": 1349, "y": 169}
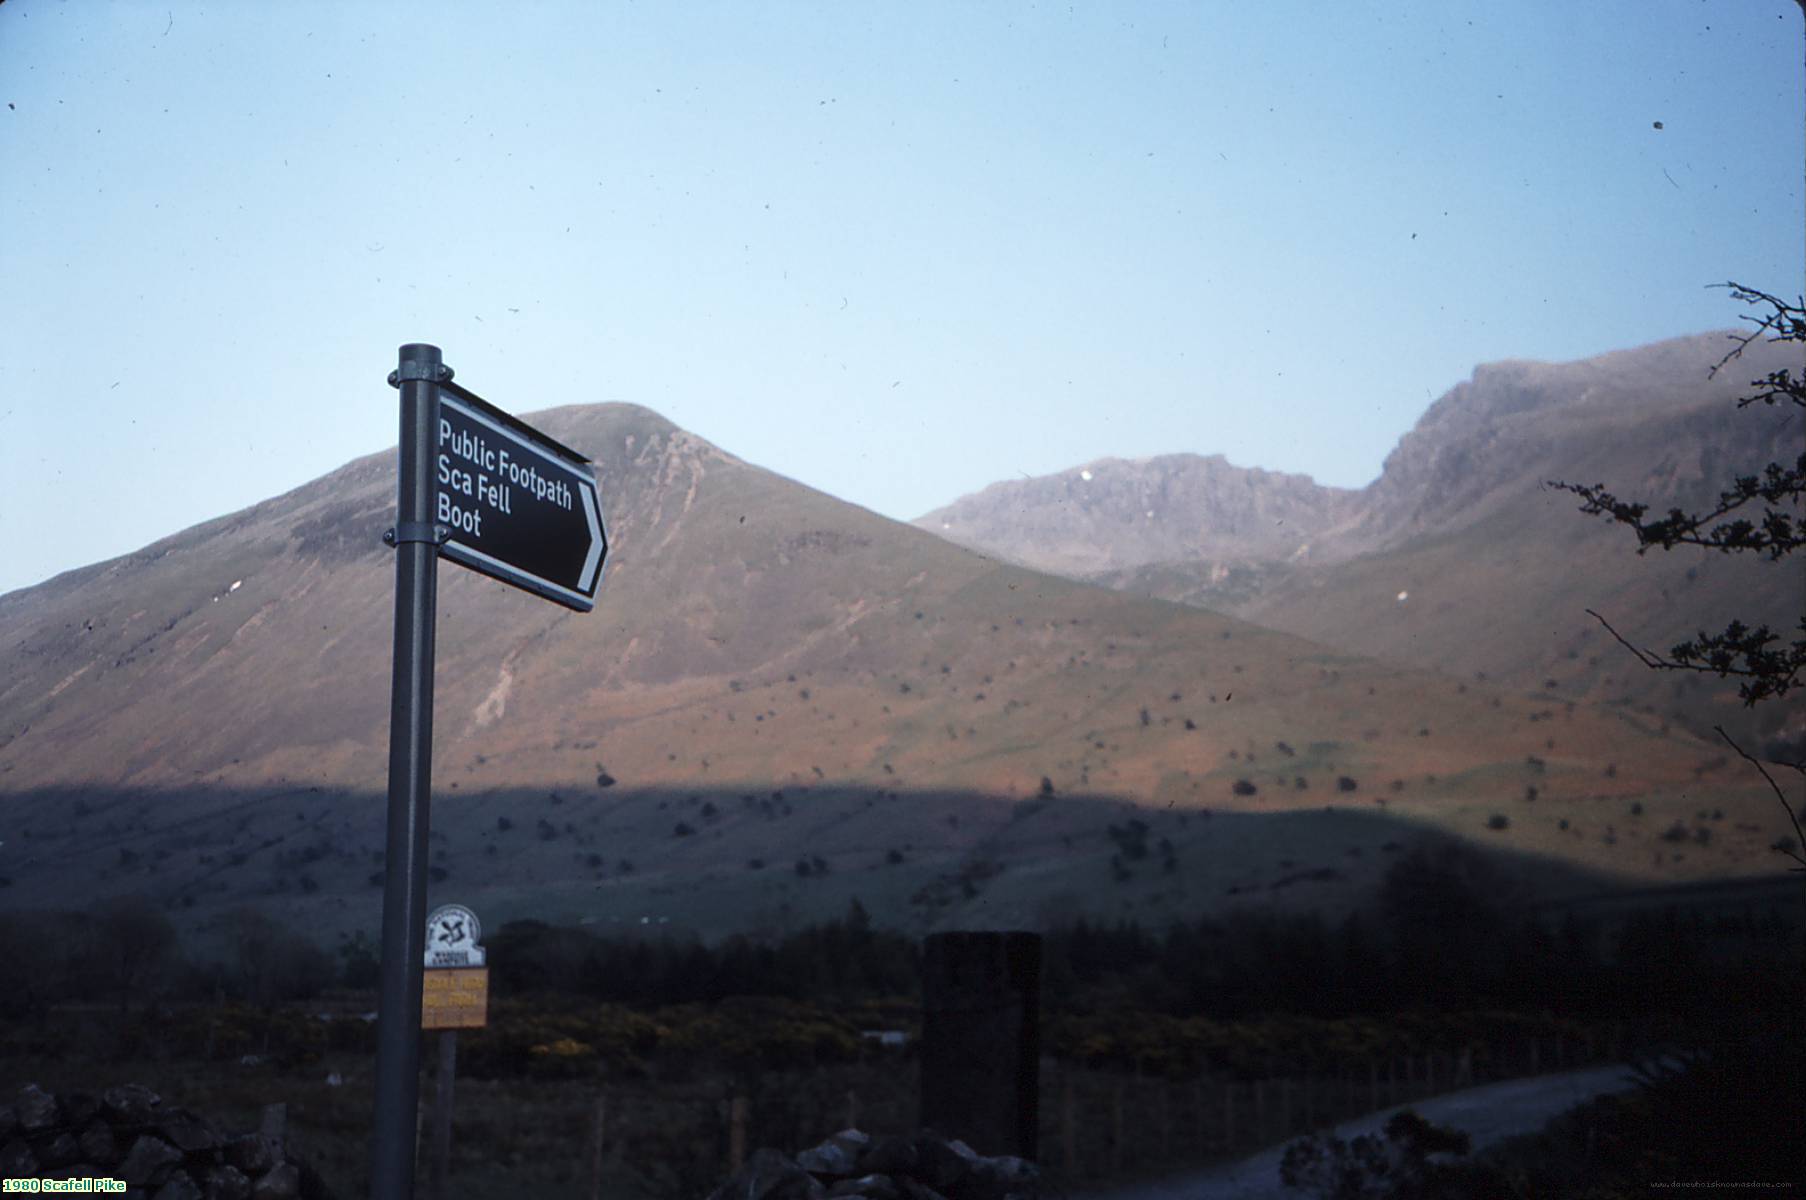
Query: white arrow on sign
{"x": 592, "y": 566}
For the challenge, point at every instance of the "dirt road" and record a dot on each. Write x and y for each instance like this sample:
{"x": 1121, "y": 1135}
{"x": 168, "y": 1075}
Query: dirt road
{"x": 1487, "y": 1114}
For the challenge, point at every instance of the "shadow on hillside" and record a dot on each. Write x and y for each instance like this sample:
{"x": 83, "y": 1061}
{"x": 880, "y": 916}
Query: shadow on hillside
{"x": 741, "y": 858}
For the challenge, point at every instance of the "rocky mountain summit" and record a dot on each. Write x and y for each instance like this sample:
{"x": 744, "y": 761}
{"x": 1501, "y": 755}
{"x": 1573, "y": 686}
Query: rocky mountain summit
{"x": 1459, "y": 557}
{"x": 1113, "y": 513}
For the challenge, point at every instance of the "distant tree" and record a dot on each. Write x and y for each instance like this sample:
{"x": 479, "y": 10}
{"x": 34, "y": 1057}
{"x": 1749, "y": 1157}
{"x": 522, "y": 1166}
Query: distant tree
{"x": 131, "y": 949}
{"x": 1766, "y": 667}
{"x": 360, "y": 961}
{"x": 271, "y": 963}
{"x": 36, "y": 948}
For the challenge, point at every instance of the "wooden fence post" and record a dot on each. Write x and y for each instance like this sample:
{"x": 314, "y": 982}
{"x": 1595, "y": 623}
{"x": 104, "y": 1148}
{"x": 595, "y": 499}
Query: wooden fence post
{"x": 443, "y": 1081}
{"x": 595, "y": 1149}
{"x": 1229, "y": 1114}
{"x": 736, "y": 1133}
{"x": 1166, "y": 1119}
{"x": 1116, "y": 1148}
{"x": 1069, "y": 1123}
{"x": 1373, "y": 1085}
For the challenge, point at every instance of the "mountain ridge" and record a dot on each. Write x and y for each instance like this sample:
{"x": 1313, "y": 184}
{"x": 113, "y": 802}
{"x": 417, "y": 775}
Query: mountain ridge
{"x": 1649, "y": 421}
{"x": 766, "y": 667}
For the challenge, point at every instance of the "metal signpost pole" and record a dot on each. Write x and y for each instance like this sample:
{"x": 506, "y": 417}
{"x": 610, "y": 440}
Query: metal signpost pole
{"x": 416, "y": 543}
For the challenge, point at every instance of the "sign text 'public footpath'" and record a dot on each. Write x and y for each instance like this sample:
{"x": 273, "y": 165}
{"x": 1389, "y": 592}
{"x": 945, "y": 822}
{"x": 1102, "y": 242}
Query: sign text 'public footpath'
{"x": 518, "y": 506}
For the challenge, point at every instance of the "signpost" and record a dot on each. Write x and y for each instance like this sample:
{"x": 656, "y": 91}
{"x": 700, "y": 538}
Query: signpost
{"x": 454, "y": 996}
{"x": 496, "y": 495}
{"x": 518, "y": 506}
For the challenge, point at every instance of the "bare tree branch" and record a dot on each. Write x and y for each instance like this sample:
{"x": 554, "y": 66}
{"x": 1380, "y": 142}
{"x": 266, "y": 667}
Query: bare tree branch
{"x": 1786, "y": 322}
{"x": 1648, "y": 658}
{"x": 1799, "y": 836}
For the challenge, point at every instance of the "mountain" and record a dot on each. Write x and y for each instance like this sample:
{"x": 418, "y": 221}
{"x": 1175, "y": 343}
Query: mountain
{"x": 781, "y": 702}
{"x": 1457, "y": 557}
{"x": 1115, "y": 514}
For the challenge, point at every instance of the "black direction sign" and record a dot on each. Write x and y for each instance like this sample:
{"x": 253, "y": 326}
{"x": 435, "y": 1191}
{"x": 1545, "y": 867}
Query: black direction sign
{"x": 519, "y": 507}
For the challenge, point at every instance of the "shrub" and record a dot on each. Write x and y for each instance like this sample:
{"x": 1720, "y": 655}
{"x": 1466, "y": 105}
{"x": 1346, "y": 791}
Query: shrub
{"x": 1498, "y": 821}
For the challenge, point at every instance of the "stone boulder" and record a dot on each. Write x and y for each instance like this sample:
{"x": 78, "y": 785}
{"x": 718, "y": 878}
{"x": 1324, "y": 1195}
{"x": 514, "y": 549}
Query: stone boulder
{"x": 851, "y": 1165}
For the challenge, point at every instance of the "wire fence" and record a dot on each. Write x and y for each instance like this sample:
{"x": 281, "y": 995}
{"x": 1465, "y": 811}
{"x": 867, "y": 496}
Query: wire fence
{"x": 1096, "y": 1125}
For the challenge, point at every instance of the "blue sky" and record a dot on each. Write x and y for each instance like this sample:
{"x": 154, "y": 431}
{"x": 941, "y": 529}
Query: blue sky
{"x": 895, "y": 252}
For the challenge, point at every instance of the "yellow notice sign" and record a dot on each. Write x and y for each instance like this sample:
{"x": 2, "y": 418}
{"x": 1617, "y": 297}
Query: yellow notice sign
{"x": 455, "y": 998}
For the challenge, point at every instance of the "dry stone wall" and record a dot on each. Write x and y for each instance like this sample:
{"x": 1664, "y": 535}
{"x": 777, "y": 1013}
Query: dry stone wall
{"x": 159, "y": 1152}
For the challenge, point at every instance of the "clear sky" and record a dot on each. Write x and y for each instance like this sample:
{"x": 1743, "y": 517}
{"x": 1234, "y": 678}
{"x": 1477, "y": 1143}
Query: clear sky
{"x": 894, "y": 251}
